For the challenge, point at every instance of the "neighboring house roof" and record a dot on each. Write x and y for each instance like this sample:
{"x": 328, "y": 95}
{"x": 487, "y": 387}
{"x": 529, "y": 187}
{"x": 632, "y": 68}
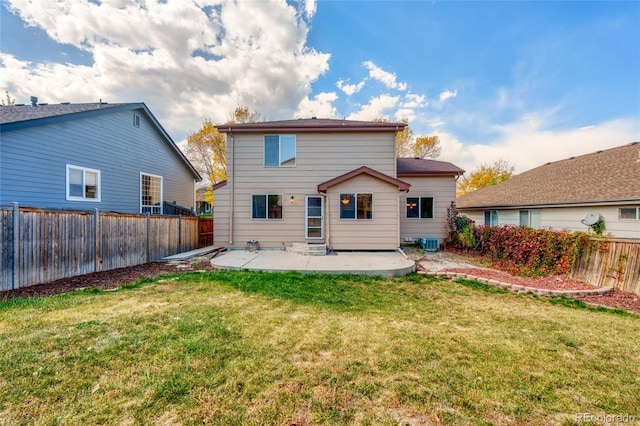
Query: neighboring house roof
{"x": 402, "y": 186}
{"x": 219, "y": 185}
{"x": 312, "y": 125}
{"x": 16, "y": 117}
{"x": 407, "y": 166}
{"x": 608, "y": 176}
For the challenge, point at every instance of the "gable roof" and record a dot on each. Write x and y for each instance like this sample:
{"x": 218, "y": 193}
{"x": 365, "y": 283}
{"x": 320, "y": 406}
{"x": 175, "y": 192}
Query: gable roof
{"x": 402, "y": 186}
{"x": 413, "y": 166}
{"x": 312, "y": 125}
{"x": 608, "y": 176}
{"x": 16, "y": 117}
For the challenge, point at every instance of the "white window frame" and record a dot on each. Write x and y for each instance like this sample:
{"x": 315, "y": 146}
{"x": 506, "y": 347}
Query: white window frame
{"x": 419, "y": 206}
{"x": 355, "y": 196}
{"x": 491, "y": 217}
{"x": 280, "y": 164}
{"x": 267, "y": 206}
{"x": 307, "y": 217}
{"x": 629, "y": 218}
{"x": 84, "y": 171}
{"x": 143, "y": 206}
{"x": 530, "y": 218}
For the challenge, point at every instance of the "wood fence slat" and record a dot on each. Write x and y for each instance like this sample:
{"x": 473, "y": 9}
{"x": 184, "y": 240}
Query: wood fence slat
{"x": 54, "y": 244}
{"x": 614, "y": 263}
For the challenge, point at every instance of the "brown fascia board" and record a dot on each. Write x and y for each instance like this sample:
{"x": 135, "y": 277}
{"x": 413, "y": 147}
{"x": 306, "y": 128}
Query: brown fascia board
{"x": 219, "y": 185}
{"x": 393, "y": 127}
{"x": 427, "y": 174}
{"x": 402, "y": 186}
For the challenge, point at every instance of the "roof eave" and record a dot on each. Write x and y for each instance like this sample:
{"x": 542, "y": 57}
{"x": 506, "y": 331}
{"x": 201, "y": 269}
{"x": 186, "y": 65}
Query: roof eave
{"x": 430, "y": 174}
{"x": 583, "y": 203}
{"x": 402, "y": 186}
{"x": 310, "y": 129}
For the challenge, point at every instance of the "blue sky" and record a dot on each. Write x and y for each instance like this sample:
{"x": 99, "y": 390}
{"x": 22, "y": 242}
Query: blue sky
{"x": 528, "y": 82}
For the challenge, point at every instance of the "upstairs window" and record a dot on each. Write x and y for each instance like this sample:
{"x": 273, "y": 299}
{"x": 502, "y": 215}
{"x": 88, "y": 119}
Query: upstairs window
{"x": 419, "y": 207}
{"x": 150, "y": 194}
{"x": 356, "y": 206}
{"x": 83, "y": 184}
{"x": 280, "y": 150}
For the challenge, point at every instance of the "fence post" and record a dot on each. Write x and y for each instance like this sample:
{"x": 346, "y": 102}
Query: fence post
{"x": 180, "y": 233}
{"x": 148, "y": 237}
{"x": 16, "y": 246}
{"x": 97, "y": 266}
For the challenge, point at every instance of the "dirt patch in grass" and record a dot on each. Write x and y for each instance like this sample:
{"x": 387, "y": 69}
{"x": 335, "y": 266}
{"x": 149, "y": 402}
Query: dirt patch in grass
{"x": 108, "y": 279}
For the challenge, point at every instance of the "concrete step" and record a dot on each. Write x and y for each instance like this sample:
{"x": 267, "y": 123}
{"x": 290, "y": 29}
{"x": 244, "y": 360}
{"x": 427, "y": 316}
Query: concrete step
{"x": 306, "y": 249}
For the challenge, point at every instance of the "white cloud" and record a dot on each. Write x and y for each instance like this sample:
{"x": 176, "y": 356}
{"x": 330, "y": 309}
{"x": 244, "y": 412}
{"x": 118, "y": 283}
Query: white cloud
{"x": 350, "y": 89}
{"x": 378, "y": 107}
{"x": 186, "y": 62}
{"x": 526, "y": 144}
{"x": 385, "y": 77}
{"x": 411, "y": 100}
{"x": 447, "y": 94}
{"x": 310, "y": 7}
{"x": 321, "y": 106}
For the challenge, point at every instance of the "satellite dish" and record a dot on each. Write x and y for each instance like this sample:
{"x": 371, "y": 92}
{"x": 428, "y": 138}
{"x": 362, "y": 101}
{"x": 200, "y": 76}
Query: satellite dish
{"x": 591, "y": 218}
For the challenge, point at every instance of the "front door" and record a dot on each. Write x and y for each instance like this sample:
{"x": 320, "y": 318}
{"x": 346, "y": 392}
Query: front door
{"x": 314, "y": 217}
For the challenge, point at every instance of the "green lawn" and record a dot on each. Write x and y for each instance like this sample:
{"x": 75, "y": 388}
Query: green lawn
{"x": 283, "y": 349}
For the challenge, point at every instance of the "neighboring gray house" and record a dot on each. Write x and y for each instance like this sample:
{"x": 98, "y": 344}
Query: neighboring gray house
{"x": 114, "y": 157}
{"x": 567, "y": 194}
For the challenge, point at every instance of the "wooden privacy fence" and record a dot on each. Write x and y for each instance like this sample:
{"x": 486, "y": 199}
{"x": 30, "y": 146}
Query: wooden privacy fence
{"x": 42, "y": 245}
{"x": 611, "y": 262}
{"x": 205, "y": 231}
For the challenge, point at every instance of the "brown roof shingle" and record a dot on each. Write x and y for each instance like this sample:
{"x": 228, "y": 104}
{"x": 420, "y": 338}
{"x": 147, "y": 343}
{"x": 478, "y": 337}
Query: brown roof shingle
{"x": 611, "y": 175}
{"x": 411, "y": 166}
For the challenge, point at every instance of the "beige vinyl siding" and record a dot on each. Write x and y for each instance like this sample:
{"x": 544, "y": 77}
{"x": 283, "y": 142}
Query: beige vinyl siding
{"x": 568, "y": 218}
{"x": 379, "y": 233}
{"x": 221, "y": 210}
{"x": 443, "y": 191}
{"x": 319, "y": 157}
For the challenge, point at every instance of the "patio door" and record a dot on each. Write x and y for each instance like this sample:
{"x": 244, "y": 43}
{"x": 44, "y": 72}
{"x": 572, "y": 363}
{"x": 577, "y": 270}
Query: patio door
{"x": 314, "y": 217}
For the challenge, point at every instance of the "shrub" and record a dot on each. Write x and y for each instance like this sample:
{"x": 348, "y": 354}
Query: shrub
{"x": 526, "y": 251}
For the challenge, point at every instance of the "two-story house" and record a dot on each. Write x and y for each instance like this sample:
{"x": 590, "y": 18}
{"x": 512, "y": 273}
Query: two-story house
{"x": 114, "y": 157}
{"x": 328, "y": 181}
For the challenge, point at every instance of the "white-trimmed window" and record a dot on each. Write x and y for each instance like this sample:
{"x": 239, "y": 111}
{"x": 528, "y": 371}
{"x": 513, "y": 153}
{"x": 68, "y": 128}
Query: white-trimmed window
{"x": 419, "y": 208}
{"x": 83, "y": 184}
{"x": 266, "y": 206}
{"x": 150, "y": 193}
{"x": 356, "y": 205}
{"x": 491, "y": 218}
{"x": 629, "y": 213}
{"x": 530, "y": 218}
{"x": 280, "y": 150}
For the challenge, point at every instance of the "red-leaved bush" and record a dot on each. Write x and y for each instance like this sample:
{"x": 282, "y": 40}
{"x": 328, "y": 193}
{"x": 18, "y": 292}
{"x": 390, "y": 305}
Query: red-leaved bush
{"x": 524, "y": 251}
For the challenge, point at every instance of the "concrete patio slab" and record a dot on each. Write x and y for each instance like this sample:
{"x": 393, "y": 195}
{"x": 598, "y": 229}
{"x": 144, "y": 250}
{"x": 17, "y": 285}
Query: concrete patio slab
{"x": 385, "y": 264}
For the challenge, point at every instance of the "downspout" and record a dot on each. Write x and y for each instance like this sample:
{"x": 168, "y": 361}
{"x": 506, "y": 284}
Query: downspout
{"x": 232, "y": 188}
